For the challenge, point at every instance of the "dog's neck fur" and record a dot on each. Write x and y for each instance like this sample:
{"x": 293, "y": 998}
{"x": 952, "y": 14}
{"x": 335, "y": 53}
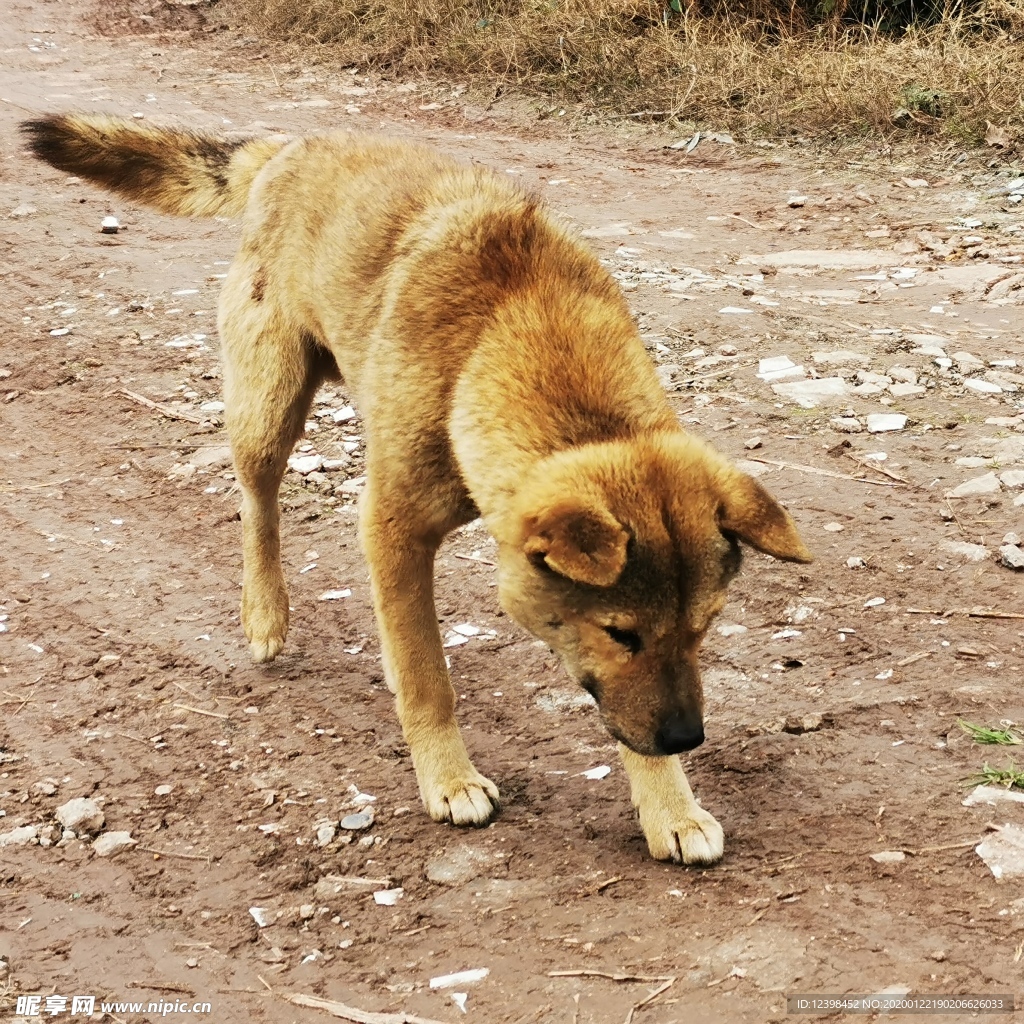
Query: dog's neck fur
{"x": 551, "y": 407}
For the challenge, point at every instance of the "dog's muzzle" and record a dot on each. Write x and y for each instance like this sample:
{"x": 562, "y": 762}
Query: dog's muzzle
{"x": 680, "y": 732}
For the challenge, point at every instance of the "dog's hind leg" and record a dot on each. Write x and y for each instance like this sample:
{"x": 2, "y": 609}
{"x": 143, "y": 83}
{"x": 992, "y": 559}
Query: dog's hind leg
{"x": 271, "y": 372}
{"x": 400, "y": 534}
{"x": 675, "y": 825}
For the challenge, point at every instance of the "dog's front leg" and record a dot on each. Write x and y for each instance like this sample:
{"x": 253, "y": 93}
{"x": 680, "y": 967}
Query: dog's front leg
{"x": 401, "y": 571}
{"x": 675, "y": 825}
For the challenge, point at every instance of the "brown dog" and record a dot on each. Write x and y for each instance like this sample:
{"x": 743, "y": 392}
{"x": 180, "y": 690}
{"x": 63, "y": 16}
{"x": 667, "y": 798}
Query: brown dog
{"x": 499, "y": 374}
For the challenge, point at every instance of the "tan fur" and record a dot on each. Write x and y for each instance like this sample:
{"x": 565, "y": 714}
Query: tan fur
{"x": 498, "y": 373}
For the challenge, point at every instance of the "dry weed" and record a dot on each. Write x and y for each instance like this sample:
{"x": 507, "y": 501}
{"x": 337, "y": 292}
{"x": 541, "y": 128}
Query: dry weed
{"x": 759, "y": 70}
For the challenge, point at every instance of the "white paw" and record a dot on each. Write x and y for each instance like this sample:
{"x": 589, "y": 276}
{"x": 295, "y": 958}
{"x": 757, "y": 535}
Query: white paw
{"x": 466, "y": 798}
{"x": 265, "y": 623}
{"x": 686, "y": 835}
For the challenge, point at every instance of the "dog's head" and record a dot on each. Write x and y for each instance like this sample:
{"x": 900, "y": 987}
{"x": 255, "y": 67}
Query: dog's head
{"x": 618, "y": 556}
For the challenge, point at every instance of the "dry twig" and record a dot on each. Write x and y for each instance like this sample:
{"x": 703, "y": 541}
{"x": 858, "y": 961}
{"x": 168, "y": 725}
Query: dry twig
{"x": 164, "y": 410}
{"x": 820, "y": 472}
{"x": 200, "y": 711}
{"x": 350, "y": 1012}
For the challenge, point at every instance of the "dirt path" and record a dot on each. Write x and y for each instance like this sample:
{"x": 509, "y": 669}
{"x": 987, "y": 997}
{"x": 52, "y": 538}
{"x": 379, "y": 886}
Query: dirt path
{"x": 123, "y": 668}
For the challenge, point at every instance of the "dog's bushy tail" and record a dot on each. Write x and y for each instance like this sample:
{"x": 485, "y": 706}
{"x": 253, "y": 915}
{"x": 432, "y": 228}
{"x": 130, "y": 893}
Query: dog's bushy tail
{"x": 192, "y": 174}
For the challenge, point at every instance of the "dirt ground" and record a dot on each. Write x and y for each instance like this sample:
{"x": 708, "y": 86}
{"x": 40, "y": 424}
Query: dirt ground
{"x": 832, "y": 718}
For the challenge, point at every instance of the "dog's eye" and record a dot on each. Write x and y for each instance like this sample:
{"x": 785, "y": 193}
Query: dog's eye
{"x": 628, "y": 638}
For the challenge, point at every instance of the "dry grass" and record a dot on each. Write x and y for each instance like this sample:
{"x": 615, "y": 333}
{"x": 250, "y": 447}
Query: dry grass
{"x": 760, "y": 71}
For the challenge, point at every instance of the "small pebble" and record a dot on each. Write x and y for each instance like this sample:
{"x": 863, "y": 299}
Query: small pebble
{"x": 360, "y": 820}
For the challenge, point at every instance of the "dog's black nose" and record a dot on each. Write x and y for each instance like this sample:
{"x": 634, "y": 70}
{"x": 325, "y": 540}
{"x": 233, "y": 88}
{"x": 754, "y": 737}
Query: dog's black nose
{"x": 680, "y": 732}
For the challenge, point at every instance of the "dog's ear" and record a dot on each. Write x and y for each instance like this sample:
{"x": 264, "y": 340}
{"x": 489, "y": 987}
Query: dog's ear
{"x": 579, "y": 540}
{"x": 752, "y": 514}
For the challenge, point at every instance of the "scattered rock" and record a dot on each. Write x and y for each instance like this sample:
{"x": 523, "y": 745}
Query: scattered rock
{"x": 110, "y": 226}
{"x": 1011, "y": 538}
{"x": 455, "y": 867}
{"x": 357, "y": 822}
{"x": 305, "y": 464}
{"x": 778, "y": 367}
{"x": 83, "y": 816}
{"x": 112, "y": 843}
{"x": 752, "y": 443}
{"x": 1004, "y": 852}
{"x": 388, "y": 897}
{"x": 906, "y": 390}
{"x": 799, "y": 724}
{"x": 459, "y": 978}
{"x": 888, "y": 857}
{"x": 986, "y": 387}
{"x": 19, "y": 836}
{"x": 45, "y": 787}
{"x": 971, "y": 552}
{"x": 1013, "y": 478}
{"x": 325, "y": 832}
{"x": 306, "y": 911}
{"x": 809, "y": 394}
{"x": 846, "y": 424}
{"x": 261, "y": 916}
{"x": 164, "y": 790}
{"x": 25, "y": 210}
{"x": 855, "y": 562}
{"x": 731, "y": 629}
{"x": 1011, "y": 556}
{"x": 330, "y": 887}
{"x": 992, "y": 795}
{"x": 987, "y": 484}
{"x": 882, "y": 422}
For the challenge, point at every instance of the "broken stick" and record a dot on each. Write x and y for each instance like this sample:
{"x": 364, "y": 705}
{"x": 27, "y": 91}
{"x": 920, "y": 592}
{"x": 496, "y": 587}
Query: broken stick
{"x": 351, "y": 1013}
{"x": 164, "y": 410}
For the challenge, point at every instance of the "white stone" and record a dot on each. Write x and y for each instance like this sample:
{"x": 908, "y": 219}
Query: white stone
{"x": 906, "y": 390}
{"x": 325, "y": 833}
{"x": 966, "y": 361}
{"x": 992, "y": 795}
{"x": 81, "y": 815}
{"x": 881, "y": 422}
{"x": 809, "y": 394}
{"x": 110, "y": 844}
{"x": 846, "y": 424}
{"x": 19, "y": 836}
{"x": 1004, "y": 852}
{"x": 305, "y": 464}
{"x": 459, "y": 978}
{"x": 987, "y": 484}
{"x": 986, "y": 387}
{"x": 889, "y": 857}
{"x": 972, "y": 552}
{"x": 1011, "y": 556}
{"x": 388, "y": 897}
{"x": 731, "y": 629}
{"x": 903, "y": 374}
{"x": 777, "y": 367}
